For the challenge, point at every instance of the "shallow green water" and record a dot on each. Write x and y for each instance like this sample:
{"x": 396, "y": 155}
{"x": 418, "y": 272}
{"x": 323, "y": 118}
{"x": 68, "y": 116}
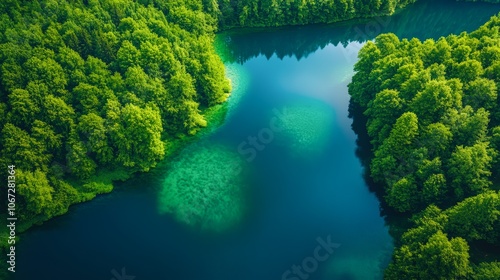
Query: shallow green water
{"x": 276, "y": 192}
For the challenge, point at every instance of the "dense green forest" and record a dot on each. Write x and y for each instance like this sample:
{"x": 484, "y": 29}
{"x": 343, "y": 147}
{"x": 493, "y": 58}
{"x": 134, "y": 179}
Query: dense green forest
{"x": 92, "y": 91}
{"x": 283, "y": 12}
{"x": 433, "y": 118}
{"x": 242, "y": 45}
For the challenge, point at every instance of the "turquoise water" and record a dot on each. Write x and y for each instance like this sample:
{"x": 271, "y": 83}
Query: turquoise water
{"x": 276, "y": 192}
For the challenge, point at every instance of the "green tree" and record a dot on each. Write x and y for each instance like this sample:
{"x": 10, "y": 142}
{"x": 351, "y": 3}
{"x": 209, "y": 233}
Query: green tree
{"x": 436, "y": 137}
{"x": 48, "y": 71}
{"x": 403, "y": 195}
{"x": 20, "y": 149}
{"x": 92, "y": 130}
{"x": 390, "y": 158}
{"x": 431, "y": 103}
{"x": 58, "y": 114}
{"x": 468, "y": 70}
{"x": 467, "y": 126}
{"x": 487, "y": 271}
{"x": 362, "y": 89}
{"x": 437, "y": 258}
{"x": 44, "y": 134}
{"x": 127, "y": 56}
{"x": 23, "y": 108}
{"x": 36, "y": 192}
{"x": 403, "y": 133}
{"x": 137, "y": 137}
{"x": 469, "y": 169}
{"x": 382, "y": 110}
{"x": 78, "y": 158}
{"x": 416, "y": 83}
{"x": 434, "y": 188}
{"x": 481, "y": 93}
{"x": 87, "y": 98}
{"x": 12, "y": 76}
{"x": 476, "y": 218}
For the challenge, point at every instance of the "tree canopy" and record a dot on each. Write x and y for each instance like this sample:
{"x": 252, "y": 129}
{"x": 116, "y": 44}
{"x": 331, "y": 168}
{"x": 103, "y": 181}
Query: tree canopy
{"x": 92, "y": 86}
{"x": 432, "y": 113}
{"x": 262, "y": 13}
{"x": 87, "y": 86}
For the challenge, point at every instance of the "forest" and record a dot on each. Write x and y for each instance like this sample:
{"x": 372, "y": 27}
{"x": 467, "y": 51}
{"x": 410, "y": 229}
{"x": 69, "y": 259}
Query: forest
{"x": 243, "y": 45}
{"x": 93, "y": 91}
{"x": 433, "y": 120}
{"x": 264, "y": 13}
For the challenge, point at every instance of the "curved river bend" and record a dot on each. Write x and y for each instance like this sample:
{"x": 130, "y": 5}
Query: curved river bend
{"x": 276, "y": 192}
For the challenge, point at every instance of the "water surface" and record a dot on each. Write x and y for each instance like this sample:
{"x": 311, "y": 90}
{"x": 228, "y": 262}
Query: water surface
{"x": 299, "y": 189}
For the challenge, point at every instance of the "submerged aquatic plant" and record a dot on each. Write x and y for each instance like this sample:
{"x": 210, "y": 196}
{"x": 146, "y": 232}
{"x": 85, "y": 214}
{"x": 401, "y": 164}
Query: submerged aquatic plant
{"x": 204, "y": 188}
{"x": 306, "y": 127}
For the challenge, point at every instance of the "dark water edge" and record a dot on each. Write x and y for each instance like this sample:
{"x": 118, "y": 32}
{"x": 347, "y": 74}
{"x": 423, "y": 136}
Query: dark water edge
{"x": 426, "y": 19}
{"x": 397, "y": 222}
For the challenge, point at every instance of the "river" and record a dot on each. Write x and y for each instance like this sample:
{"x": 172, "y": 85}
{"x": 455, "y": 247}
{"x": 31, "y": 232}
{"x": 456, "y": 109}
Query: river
{"x": 275, "y": 192}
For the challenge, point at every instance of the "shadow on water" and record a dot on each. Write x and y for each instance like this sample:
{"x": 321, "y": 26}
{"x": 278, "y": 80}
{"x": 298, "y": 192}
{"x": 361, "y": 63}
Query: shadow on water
{"x": 398, "y": 222}
{"x": 419, "y": 20}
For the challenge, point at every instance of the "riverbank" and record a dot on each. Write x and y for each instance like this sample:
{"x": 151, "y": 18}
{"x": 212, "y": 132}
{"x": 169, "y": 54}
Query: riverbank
{"x": 100, "y": 182}
{"x": 215, "y": 117}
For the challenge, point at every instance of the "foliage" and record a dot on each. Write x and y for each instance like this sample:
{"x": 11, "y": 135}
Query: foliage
{"x": 87, "y": 86}
{"x": 436, "y": 258}
{"x": 432, "y": 117}
{"x": 250, "y": 13}
{"x": 429, "y": 102}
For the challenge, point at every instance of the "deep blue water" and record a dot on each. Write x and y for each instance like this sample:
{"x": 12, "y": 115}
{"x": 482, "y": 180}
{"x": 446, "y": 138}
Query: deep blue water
{"x": 303, "y": 189}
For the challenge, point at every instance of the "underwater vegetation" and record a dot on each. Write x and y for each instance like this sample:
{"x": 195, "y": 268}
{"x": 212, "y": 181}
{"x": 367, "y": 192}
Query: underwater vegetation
{"x": 204, "y": 188}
